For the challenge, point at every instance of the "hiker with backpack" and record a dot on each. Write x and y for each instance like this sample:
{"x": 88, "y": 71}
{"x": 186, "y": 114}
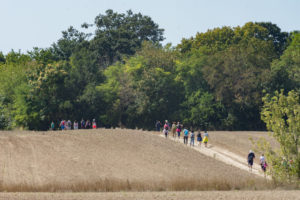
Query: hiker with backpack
{"x": 250, "y": 159}
{"x": 185, "y": 136}
{"x": 166, "y": 126}
{"x": 199, "y": 138}
{"x": 192, "y": 138}
{"x": 205, "y": 139}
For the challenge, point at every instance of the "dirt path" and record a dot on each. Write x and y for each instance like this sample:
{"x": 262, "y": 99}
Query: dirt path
{"x": 223, "y": 155}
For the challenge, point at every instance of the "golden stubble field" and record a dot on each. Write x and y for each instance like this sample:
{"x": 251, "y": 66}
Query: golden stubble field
{"x": 110, "y": 160}
{"x": 239, "y": 141}
{"x": 137, "y": 163}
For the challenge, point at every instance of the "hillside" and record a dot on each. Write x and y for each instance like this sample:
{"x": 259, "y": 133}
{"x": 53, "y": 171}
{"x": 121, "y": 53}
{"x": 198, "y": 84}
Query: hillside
{"x": 60, "y": 159}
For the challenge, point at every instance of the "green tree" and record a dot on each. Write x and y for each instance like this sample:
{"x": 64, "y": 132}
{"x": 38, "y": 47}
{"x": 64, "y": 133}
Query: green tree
{"x": 43, "y": 97}
{"x": 64, "y": 47}
{"x": 237, "y": 76}
{"x": 13, "y": 73}
{"x": 145, "y": 87}
{"x": 122, "y": 34}
{"x": 279, "y": 38}
{"x": 235, "y": 64}
{"x": 43, "y": 56}
{"x": 2, "y": 58}
{"x": 286, "y": 69}
{"x": 201, "y": 111}
{"x": 199, "y": 108}
{"x": 282, "y": 116}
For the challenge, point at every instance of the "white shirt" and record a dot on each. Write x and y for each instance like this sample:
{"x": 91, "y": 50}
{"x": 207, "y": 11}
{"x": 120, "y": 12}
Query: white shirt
{"x": 262, "y": 159}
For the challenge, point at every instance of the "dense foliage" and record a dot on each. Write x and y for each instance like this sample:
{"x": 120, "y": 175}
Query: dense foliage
{"x": 121, "y": 75}
{"x": 282, "y": 116}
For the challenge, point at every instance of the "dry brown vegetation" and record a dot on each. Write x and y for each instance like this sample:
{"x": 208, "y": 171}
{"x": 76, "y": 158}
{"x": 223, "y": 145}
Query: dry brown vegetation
{"x": 111, "y": 160}
{"x": 239, "y": 141}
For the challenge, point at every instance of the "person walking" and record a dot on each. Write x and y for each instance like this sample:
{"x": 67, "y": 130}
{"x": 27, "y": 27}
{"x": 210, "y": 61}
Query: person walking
{"x": 199, "y": 138}
{"x": 205, "y": 134}
{"x": 94, "y": 124}
{"x": 166, "y": 126}
{"x": 62, "y": 125}
{"x": 82, "y": 124}
{"x": 75, "y": 125}
{"x": 69, "y": 125}
{"x": 52, "y": 126}
{"x": 178, "y": 129}
{"x": 157, "y": 125}
{"x": 263, "y": 163}
{"x": 173, "y": 129}
{"x": 185, "y": 136}
{"x": 205, "y": 138}
{"x": 166, "y": 132}
{"x": 88, "y": 124}
{"x": 192, "y": 138}
{"x": 251, "y": 157}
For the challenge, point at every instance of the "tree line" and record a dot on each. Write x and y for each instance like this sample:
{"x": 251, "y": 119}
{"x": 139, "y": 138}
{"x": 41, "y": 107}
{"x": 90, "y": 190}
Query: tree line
{"x": 118, "y": 72}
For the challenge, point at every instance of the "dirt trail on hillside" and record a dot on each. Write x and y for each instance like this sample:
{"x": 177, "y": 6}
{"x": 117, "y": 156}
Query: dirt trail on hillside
{"x": 59, "y": 158}
{"x": 223, "y": 155}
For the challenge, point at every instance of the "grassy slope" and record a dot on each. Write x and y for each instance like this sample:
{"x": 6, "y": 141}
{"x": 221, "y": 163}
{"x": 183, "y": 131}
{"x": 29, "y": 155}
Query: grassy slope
{"x": 238, "y": 141}
{"x": 76, "y": 160}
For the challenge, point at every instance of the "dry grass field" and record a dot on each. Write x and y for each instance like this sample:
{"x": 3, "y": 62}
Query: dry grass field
{"x": 238, "y": 141}
{"x": 203, "y": 195}
{"x": 111, "y": 160}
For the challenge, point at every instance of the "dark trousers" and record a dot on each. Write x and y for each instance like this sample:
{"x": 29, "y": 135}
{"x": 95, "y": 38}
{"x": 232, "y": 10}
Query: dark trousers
{"x": 185, "y": 139}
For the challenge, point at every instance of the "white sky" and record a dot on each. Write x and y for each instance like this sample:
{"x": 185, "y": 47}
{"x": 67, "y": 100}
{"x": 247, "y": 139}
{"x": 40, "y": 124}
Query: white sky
{"x": 38, "y": 23}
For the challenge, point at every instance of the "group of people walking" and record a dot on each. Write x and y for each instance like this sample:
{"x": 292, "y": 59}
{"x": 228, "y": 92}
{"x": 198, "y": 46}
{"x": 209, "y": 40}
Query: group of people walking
{"x": 176, "y": 129}
{"x": 262, "y": 160}
{"x": 68, "y": 125}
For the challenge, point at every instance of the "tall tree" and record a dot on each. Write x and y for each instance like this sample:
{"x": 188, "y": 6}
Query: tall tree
{"x": 145, "y": 87}
{"x": 2, "y": 57}
{"x": 286, "y": 69}
{"x": 68, "y": 44}
{"x": 122, "y": 34}
{"x": 279, "y": 38}
{"x": 282, "y": 116}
